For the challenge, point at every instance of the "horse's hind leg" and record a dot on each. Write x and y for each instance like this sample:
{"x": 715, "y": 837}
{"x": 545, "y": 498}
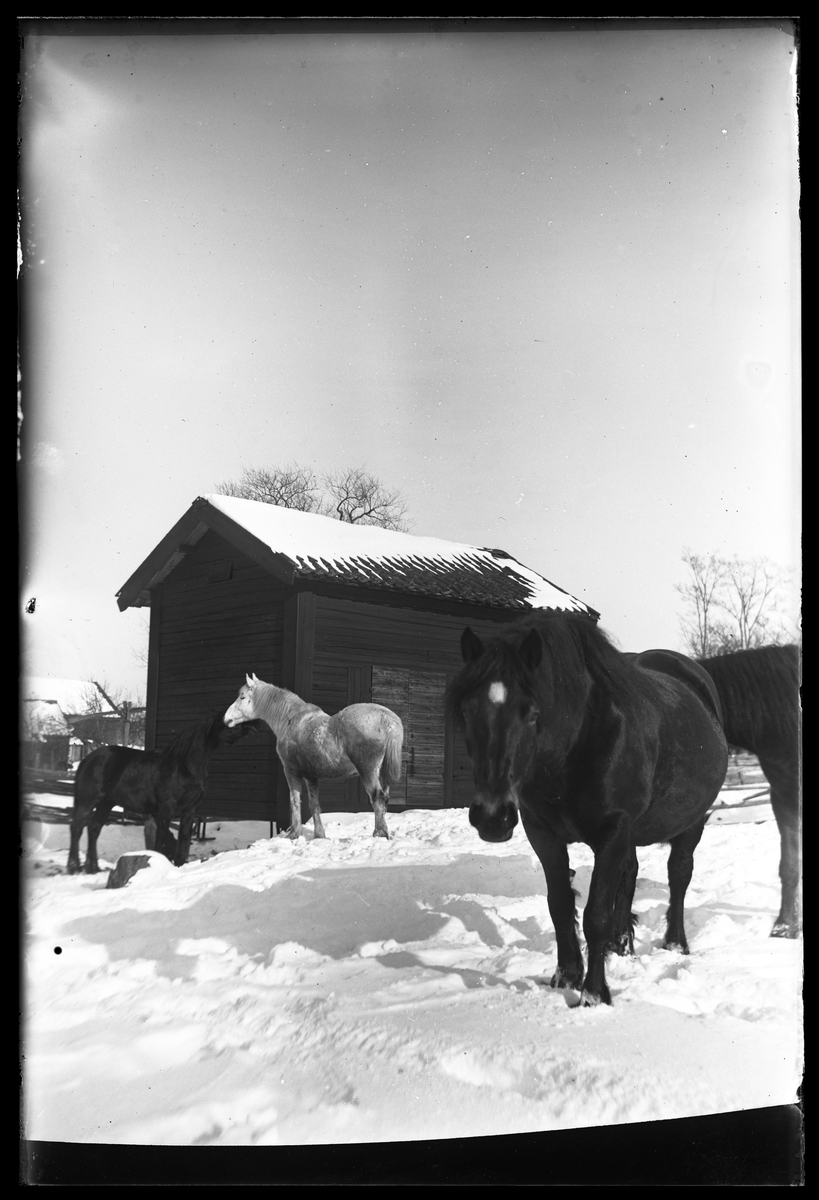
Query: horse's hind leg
{"x": 622, "y": 941}
{"x": 785, "y": 805}
{"x": 680, "y": 870}
{"x": 315, "y": 809}
{"x": 379, "y": 798}
{"x": 78, "y": 822}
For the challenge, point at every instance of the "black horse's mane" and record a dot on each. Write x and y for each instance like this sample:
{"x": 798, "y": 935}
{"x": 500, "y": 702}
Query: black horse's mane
{"x": 759, "y": 692}
{"x": 201, "y": 738}
{"x": 568, "y": 641}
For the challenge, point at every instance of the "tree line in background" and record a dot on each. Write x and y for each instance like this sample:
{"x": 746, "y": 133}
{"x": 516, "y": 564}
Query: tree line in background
{"x": 351, "y": 494}
{"x": 734, "y": 604}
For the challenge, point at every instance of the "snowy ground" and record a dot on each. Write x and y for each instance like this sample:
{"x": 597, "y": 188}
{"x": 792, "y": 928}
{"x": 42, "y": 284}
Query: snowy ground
{"x": 354, "y": 990}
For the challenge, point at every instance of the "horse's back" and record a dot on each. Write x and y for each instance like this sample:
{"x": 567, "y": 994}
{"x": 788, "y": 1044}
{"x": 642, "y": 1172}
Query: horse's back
{"x": 367, "y": 734}
{"x": 368, "y": 719}
{"x": 685, "y": 670}
{"x": 120, "y": 775}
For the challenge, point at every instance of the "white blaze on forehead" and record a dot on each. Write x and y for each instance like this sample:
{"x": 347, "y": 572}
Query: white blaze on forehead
{"x": 497, "y": 692}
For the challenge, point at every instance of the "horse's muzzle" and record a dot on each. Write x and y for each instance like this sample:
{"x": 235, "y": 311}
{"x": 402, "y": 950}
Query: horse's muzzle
{"x": 494, "y": 823}
{"x": 232, "y": 717}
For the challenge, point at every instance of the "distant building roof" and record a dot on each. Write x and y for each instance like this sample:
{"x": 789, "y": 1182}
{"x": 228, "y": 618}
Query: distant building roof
{"x": 70, "y": 695}
{"x": 295, "y": 545}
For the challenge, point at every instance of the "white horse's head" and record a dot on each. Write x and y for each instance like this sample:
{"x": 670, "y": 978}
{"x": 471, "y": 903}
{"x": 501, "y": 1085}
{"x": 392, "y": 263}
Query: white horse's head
{"x": 242, "y": 708}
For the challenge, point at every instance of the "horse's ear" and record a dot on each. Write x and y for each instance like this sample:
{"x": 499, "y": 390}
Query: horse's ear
{"x": 531, "y": 650}
{"x": 250, "y": 682}
{"x": 471, "y": 645}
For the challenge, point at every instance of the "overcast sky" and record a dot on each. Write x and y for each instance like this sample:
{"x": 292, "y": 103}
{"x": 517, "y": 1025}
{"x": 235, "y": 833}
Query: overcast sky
{"x": 545, "y": 283}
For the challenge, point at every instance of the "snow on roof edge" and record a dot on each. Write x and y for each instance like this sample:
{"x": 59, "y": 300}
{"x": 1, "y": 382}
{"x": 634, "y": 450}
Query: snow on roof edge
{"x": 305, "y": 536}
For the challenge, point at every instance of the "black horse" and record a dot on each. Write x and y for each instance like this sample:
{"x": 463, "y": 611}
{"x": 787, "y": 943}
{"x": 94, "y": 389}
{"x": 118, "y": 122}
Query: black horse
{"x": 759, "y": 692}
{"x": 154, "y": 784}
{"x": 596, "y": 746}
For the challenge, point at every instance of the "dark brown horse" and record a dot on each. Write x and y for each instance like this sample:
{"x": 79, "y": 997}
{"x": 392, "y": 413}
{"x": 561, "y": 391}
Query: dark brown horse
{"x": 590, "y": 745}
{"x": 155, "y": 784}
{"x": 759, "y": 693}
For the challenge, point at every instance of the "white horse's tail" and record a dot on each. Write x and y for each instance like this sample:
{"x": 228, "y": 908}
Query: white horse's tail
{"x": 391, "y": 763}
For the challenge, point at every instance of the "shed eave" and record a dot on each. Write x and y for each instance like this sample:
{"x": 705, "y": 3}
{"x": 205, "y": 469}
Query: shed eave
{"x": 180, "y": 540}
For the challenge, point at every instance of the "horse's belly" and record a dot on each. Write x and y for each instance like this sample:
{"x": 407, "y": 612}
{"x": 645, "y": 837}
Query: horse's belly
{"x": 664, "y": 819}
{"x": 335, "y": 768}
{"x": 319, "y": 757}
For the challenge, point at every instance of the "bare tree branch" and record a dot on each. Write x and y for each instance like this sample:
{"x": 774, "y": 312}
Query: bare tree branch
{"x": 360, "y": 499}
{"x": 288, "y": 487}
{"x": 733, "y": 604}
{"x": 700, "y": 594}
{"x": 352, "y": 494}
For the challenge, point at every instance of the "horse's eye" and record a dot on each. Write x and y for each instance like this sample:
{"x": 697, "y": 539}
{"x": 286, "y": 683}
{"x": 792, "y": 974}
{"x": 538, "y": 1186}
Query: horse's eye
{"x": 534, "y": 716}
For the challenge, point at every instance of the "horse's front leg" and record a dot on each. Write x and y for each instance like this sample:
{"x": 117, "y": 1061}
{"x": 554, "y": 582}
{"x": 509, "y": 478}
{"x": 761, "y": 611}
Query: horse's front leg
{"x": 150, "y": 833}
{"x": 166, "y": 843}
{"x": 680, "y": 870}
{"x": 622, "y": 940}
{"x": 294, "y": 783}
{"x": 313, "y": 797}
{"x": 612, "y": 855}
{"x": 554, "y": 858}
{"x": 183, "y": 845}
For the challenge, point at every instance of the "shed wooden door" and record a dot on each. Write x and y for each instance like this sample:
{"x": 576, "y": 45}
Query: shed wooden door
{"x": 417, "y": 697}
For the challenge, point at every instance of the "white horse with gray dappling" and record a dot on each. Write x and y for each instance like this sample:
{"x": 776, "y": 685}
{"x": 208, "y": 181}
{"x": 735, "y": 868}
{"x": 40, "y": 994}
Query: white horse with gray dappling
{"x": 363, "y": 739}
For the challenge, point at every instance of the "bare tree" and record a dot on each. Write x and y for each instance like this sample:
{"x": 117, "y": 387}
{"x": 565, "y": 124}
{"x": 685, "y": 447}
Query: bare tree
{"x": 733, "y": 604}
{"x": 288, "y": 487}
{"x": 352, "y": 494}
{"x": 752, "y": 598}
{"x": 361, "y": 499}
{"x": 700, "y": 593}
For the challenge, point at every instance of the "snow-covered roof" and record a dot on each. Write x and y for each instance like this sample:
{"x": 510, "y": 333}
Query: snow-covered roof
{"x": 296, "y": 545}
{"x": 70, "y": 695}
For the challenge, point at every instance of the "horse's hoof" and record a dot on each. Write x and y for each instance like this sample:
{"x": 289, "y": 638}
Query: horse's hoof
{"x": 680, "y": 947}
{"x": 381, "y": 833}
{"x": 784, "y": 931}
{"x": 591, "y": 999}
{"x": 566, "y": 979}
{"x": 294, "y": 834}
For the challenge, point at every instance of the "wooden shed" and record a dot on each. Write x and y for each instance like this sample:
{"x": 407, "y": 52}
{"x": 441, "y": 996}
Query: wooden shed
{"x": 337, "y": 613}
